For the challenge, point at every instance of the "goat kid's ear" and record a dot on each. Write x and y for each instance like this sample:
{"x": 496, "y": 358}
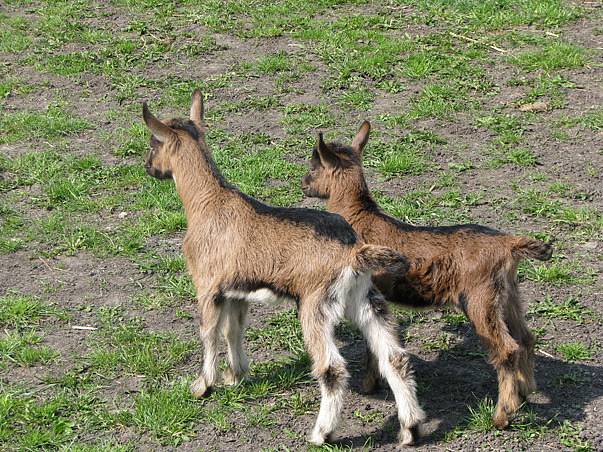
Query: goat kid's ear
{"x": 361, "y": 137}
{"x": 159, "y": 130}
{"x": 197, "y": 107}
{"x": 327, "y": 157}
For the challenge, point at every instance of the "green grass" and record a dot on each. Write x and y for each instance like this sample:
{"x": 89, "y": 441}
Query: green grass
{"x": 495, "y": 14}
{"x": 32, "y": 423}
{"x": 282, "y": 332}
{"x": 521, "y": 157}
{"x": 437, "y": 101}
{"x": 259, "y": 167}
{"x": 554, "y": 56}
{"x": 169, "y": 414}
{"x": 13, "y": 36}
{"x": 20, "y": 311}
{"x": 306, "y": 119}
{"x": 275, "y": 63}
{"x": 569, "y": 309}
{"x": 51, "y": 124}
{"x": 396, "y": 158}
{"x": 576, "y": 351}
{"x": 480, "y": 416}
{"x": 129, "y": 348}
{"x": 570, "y": 436}
{"x": 24, "y": 349}
{"x": 425, "y": 207}
{"x": 507, "y": 127}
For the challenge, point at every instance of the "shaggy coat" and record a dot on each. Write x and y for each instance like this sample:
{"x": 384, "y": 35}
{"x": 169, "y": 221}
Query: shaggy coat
{"x": 470, "y": 267}
{"x": 240, "y": 251}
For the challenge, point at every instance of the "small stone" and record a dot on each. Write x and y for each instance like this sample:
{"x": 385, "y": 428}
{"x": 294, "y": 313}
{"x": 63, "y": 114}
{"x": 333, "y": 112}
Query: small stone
{"x": 122, "y": 215}
{"x": 590, "y": 245}
{"x": 535, "y": 106}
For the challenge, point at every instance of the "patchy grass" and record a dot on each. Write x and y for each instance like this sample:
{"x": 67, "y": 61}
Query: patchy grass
{"x": 21, "y": 311}
{"x": 51, "y": 124}
{"x": 169, "y": 414}
{"x": 569, "y": 309}
{"x": 576, "y": 351}
{"x": 128, "y": 348}
{"x": 557, "y": 55}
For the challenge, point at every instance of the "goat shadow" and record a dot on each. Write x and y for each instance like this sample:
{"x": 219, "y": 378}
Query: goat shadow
{"x": 461, "y": 376}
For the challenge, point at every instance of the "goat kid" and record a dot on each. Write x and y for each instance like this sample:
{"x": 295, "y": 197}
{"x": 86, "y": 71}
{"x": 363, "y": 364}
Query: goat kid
{"x": 239, "y": 250}
{"x": 470, "y": 267}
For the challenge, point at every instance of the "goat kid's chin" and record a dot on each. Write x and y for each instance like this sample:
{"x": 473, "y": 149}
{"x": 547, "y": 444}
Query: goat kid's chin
{"x": 158, "y": 174}
{"x": 312, "y": 193}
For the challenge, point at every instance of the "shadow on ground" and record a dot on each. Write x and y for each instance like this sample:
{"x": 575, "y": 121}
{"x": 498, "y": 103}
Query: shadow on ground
{"x": 460, "y": 377}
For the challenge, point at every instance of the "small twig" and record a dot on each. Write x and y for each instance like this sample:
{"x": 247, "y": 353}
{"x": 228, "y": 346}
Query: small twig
{"x": 49, "y": 267}
{"x": 466, "y": 38}
{"x": 81, "y": 327}
{"x": 548, "y": 355}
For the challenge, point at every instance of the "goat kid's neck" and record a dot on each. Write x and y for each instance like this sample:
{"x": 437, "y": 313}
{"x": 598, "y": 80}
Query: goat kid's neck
{"x": 353, "y": 202}
{"x": 197, "y": 181}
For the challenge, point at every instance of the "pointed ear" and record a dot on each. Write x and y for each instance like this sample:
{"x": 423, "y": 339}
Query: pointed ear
{"x": 197, "y": 107}
{"x": 159, "y": 130}
{"x": 361, "y": 137}
{"x": 327, "y": 157}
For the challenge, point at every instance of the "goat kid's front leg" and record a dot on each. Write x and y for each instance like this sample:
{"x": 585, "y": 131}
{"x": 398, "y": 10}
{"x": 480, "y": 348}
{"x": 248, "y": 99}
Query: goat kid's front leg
{"x": 233, "y": 329}
{"x": 370, "y": 313}
{"x": 211, "y": 305}
{"x": 318, "y": 320}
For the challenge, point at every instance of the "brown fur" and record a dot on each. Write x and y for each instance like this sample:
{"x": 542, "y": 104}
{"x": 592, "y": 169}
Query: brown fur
{"x": 237, "y": 248}
{"x": 470, "y": 267}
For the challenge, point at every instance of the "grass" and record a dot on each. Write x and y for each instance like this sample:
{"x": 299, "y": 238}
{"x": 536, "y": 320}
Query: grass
{"x": 306, "y": 119}
{"x": 557, "y": 55}
{"x": 437, "y": 101}
{"x": 24, "y": 350}
{"x": 128, "y": 348}
{"x": 282, "y": 332}
{"x": 555, "y": 273}
{"x": 576, "y": 351}
{"x": 20, "y": 311}
{"x": 53, "y": 123}
{"x": 569, "y": 309}
{"x": 30, "y": 423}
{"x": 480, "y": 416}
{"x": 169, "y": 414}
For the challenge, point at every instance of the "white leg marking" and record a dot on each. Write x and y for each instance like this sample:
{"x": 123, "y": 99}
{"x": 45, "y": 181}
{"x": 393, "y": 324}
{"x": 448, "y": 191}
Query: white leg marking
{"x": 384, "y": 344}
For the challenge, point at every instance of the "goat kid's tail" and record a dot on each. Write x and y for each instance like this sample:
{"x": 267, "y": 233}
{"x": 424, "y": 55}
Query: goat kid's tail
{"x": 379, "y": 258}
{"x": 525, "y": 247}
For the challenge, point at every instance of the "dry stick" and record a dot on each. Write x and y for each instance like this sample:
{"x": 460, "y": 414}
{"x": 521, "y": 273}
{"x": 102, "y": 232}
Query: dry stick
{"x": 466, "y": 38}
{"x": 546, "y": 354}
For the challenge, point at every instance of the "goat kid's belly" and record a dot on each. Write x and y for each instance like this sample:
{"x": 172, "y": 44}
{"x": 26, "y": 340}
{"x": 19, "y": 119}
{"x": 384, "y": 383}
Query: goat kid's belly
{"x": 263, "y": 295}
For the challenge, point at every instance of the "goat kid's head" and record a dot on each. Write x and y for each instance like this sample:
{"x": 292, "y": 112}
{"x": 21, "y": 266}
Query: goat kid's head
{"x": 169, "y": 135}
{"x": 333, "y": 164}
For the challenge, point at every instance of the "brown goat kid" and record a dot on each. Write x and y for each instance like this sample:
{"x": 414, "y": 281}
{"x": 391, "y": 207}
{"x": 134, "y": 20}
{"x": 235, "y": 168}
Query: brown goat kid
{"x": 470, "y": 267}
{"x": 239, "y": 250}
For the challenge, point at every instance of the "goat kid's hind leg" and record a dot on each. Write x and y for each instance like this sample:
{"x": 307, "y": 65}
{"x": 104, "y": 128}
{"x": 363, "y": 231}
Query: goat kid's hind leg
{"x": 371, "y": 315}
{"x": 211, "y": 305}
{"x": 520, "y": 331}
{"x": 233, "y": 329}
{"x": 370, "y": 382}
{"x": 487, "y": 316}
{"x": 318, "y": 320}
